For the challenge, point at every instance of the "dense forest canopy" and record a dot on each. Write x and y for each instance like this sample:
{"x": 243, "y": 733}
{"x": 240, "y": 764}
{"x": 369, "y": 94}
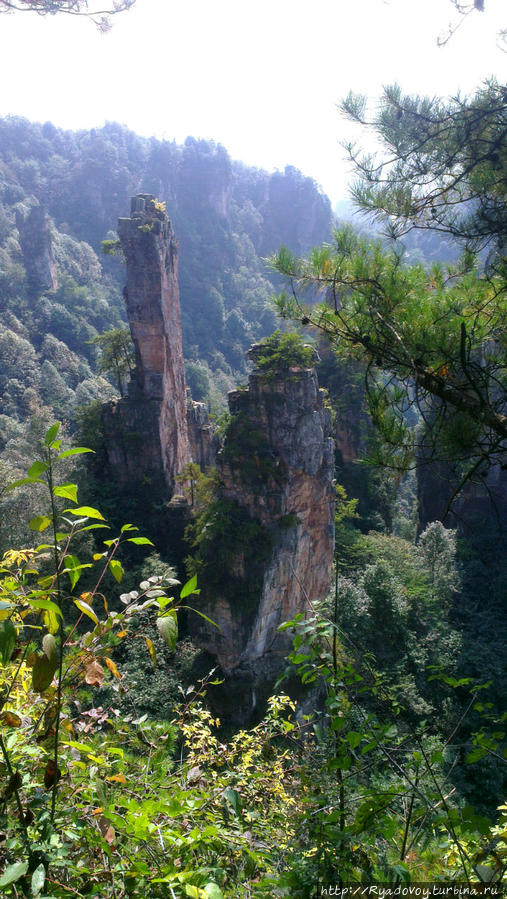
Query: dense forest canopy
{"x": 226, "y": 216}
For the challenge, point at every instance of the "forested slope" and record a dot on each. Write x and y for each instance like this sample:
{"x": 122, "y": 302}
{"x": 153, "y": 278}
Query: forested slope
{"x": 226, "y": 216}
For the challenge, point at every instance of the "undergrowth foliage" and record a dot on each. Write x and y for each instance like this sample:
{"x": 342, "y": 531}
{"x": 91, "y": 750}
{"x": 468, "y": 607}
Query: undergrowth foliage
{"x": 102, "y": 801}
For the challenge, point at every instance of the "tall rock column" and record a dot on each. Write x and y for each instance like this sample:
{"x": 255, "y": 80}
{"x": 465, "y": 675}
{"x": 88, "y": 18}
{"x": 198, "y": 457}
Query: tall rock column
{"x": 37, "y": 249}
{"x": 268, "y": 546}
{"x": 146, "y": 432}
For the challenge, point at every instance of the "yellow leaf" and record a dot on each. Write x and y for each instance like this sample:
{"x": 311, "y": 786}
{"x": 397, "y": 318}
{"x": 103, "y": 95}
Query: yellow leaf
{"x": 86, "y": 609}
{"x": 10, "y": 719}
{"x": 152, "y": 651}
{"x": 88, "y": 597}
{"x": 122, "y": 634}
{"x": 50, "y": 621}
{"x": 112, "y": 667}
{"x": 117, "y": 778}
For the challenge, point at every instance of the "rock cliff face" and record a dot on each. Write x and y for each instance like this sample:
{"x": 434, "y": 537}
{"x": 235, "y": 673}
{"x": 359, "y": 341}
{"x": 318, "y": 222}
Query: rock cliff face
{"x": 146, "y": 432}
{"x": 267, "y": 547}
{"x": 275, "y": 517}
{"x": 36, "y": 246}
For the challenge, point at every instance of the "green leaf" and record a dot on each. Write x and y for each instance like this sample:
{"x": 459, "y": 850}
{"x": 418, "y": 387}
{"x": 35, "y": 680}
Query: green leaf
{"x": 73, "y": 569}
{"x": 24, "y": 481}
{"x": 51, "y": 434}
{"x": 47, "y": 605}
{"x": 86, "y": 511}
{"x": 93, "y": 527}
{"x": 82, "y": 747}
{"x": 40, "y": 523}
{"x": 38, "y": 879}
{"x": 234, "y": 800}
{"x": 353, "y": 738}
{"x": 213, "y": 891}
{"x": 202, "y": 615}
{"x": 86, "y": 609}
{"x": 167, "y": 626}
{"x": 8, "y": 636}
{"x": 45, "y": 581}
{"x": 128, "y": 527}
{"x": 13, "y": 873}
{"x": 140, "y": 541}
{"x": 68, "y": 491}
{"x": 76, "y": 451}
{"x": 116, "y": 569}
{"x": 163, "y": 601}
{"x": 37, "y": 469}
{"x": 43, "y": 672}
{"x": 189, "y": 587}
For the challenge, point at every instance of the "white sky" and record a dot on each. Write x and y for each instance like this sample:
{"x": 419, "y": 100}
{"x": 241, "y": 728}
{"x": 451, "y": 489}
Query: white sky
{"x": 263, "y": 78}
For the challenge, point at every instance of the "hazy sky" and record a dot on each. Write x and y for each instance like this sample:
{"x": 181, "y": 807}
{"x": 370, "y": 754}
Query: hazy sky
{"x": 263, "y": 78}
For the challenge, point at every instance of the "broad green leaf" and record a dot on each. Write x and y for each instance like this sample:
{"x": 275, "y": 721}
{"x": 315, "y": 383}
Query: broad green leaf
{"x": 353, "y": 738}
{"x": 116, "y": 569}
{"x": 5, "y": 610}
{"x": 164, "y": 601}
{"x": 24, "y": 481}
{"x": 86, "y": 609}
{"x": 68, "y": 491}
{"x": 51, "y": 434}
{"x": 81, "y": 747}
{"x": 213, "y": 891}
{"x": 43, "y": 672}
{"x": 193, "y": 892}
{"x": 38, "y": 878}
{"x": 46, "y": 605}
{"x": 167, "y": 627}
{"x": 8, "y": 635}
{"x": 189, "y": 587}
{"x": 73, "y": 569}
{"x": 13, "y": 873}
{"x": 128, "y": 527}
{"x": 234, "y": 800}
{"x": 93, "y": 527}
{"x": 45, "y": 581}
{"x": 40, "y": 523}
{"x": 76, "y": 451}
{"x": 37, "y": 469}
{"x": 140, "y": 541}
{"x": 86, "y": 512}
